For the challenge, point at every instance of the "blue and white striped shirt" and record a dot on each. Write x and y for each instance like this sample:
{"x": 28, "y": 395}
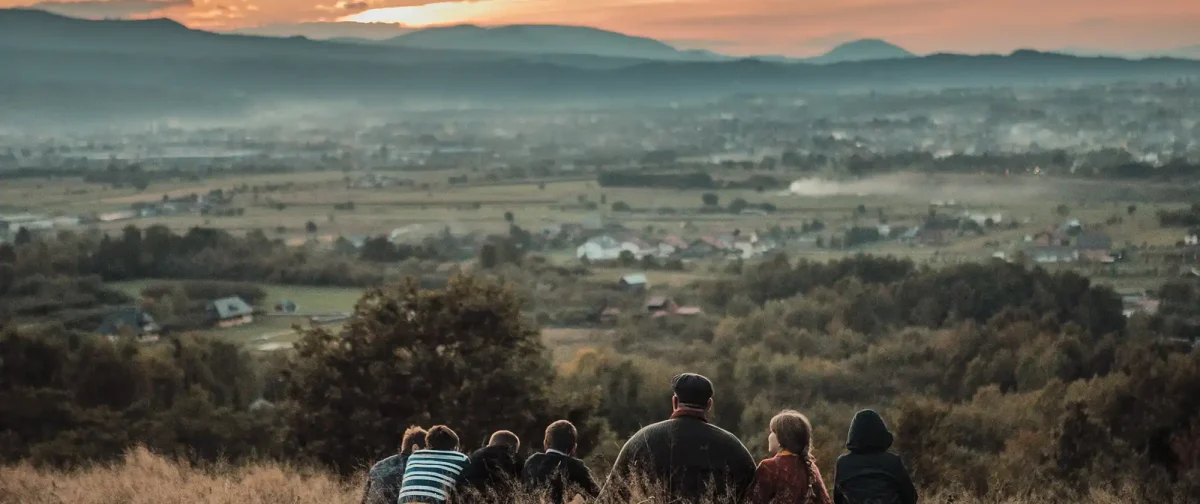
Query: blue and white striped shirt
{"x": 431, "y": 475}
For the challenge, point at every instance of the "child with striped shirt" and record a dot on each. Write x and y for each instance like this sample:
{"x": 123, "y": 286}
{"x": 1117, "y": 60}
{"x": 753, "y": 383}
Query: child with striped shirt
{"x": 432, "y": 474}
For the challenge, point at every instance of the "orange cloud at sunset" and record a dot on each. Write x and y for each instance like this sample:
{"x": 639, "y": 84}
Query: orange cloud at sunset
{"x": 794, "y": 27}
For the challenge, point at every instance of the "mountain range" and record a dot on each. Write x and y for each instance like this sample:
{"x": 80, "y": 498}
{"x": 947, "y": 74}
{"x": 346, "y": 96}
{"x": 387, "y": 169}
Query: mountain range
{"x": 548, "y": 39}
{"x": 58, "y": 68}
{"x": 1187, "y": 52}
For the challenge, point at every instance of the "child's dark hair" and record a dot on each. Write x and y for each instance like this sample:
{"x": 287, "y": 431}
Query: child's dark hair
{"x": 441, "y": 437}
{"x": 561, "y": 436}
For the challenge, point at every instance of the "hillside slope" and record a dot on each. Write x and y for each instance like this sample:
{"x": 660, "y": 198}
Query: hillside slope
{"x": 862, "y": 50}
{"x": 540, "y": 39}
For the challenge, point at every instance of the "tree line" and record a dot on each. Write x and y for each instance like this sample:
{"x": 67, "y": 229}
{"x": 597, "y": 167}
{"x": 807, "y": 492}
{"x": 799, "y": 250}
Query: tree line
{"x": 1002, "y": 380}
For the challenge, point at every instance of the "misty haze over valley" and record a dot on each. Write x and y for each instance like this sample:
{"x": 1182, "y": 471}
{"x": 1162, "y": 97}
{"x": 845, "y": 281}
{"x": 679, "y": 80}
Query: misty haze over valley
{"x": 828, "y": 252}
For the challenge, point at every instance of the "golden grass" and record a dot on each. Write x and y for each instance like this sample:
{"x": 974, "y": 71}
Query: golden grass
{"x": 142, "y": 477}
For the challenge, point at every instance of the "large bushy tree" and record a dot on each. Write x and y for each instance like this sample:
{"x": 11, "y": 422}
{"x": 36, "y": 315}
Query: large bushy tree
{"x": 462, "y": 356}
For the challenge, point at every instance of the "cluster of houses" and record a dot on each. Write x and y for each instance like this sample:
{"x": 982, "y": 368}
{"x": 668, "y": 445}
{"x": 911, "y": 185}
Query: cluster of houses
{"x": 607, "y": 247}
{"x": 10, "y": 224}
{"x": 1070, "y": 243}
{"x": 655, "y": 306}
{"x": 36, "y": 223}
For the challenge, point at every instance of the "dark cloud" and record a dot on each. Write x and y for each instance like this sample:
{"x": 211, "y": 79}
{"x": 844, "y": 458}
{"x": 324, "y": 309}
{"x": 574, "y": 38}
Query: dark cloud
{"x": 109, "y": 8}
{"x": 354, "y": 6}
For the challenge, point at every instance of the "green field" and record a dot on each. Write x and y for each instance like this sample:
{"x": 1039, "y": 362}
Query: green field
{"x": 310, "y": 299}
{"x": 271, "y": 328}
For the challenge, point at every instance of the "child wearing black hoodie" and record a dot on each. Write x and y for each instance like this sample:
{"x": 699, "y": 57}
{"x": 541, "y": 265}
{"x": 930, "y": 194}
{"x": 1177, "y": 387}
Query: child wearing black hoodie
{"x": 869, "y": 474}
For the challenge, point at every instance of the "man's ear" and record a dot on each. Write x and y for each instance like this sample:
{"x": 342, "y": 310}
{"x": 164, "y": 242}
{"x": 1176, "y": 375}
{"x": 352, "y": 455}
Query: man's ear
{"x": 710, "y": 403}
{"x": 674, "y": 402}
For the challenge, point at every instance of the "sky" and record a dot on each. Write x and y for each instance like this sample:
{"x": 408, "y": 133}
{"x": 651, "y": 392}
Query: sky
{"x": 789, "y": 27}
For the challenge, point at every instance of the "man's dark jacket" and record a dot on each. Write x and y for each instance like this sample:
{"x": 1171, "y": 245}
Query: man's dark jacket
{"x": 492, "y": 469}
{"x": 555, "y": 474}
{"x": 869, "y": 474}
{"x": 384, "y": 480}
{"x": 688, "y": 458}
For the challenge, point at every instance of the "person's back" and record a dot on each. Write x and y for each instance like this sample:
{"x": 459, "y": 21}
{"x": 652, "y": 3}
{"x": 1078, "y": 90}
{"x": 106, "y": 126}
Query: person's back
{"x": 384, "y": 480}
{"x": 433, "y": 473}
{"x": 386, "y": 476}
{"x": 869, "y": 474}
{"x": 686, "y": 456}
{"x": 556, "y": 472}
{"x": 495, "y": 469}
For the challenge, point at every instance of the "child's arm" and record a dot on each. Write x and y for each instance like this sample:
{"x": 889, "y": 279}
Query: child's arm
{"x": 761, "y": 490}
{"x": 819, "y": 489}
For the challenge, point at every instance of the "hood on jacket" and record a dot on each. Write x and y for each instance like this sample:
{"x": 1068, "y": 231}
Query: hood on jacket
{"x": 868, "y": 433}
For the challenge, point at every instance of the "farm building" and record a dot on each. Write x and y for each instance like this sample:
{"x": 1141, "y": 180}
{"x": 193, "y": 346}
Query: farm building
{"x": 231, "y": 312}
{"x": 600, "y": 248}
{"x": 1095, "y": 247}
{"x": 131, "y": 322}
{"x": 635, "y": 282}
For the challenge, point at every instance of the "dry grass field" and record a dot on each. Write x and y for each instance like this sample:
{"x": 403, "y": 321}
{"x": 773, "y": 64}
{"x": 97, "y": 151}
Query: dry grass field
{"x": 145, "y": 478}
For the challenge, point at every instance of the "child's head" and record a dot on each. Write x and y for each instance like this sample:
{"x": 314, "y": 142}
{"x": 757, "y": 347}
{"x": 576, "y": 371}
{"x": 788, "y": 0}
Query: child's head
{"x": 506, "y": 439}
{"x": 868, "y": 433}
{"x": 442, "y": 438}
{"x": 561, "y": 436}
{"x": 414, "y": 439}
{"x": 790, "y": 431}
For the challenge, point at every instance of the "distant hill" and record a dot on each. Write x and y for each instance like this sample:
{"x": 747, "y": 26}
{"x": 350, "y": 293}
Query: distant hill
{"x": 347, "y": 31}
{"x": 58, "y": 68}
{"x": 862, "y": 50}
{"x": 1187, "y": 52}
{"x": 542, "y": 39}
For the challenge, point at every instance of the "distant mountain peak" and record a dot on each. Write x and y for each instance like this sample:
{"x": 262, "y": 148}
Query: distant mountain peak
{"x": 539, "y": 39}
{"x": 863, "y": 50}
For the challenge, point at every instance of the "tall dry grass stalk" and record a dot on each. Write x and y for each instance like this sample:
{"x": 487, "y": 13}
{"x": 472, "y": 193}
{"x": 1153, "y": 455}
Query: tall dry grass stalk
{"x": 142, "y": 477}
{"x": 145, "y": 478}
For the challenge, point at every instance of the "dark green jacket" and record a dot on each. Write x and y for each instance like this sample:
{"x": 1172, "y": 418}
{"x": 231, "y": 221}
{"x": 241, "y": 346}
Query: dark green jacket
{"x": 558, "y": 475}
{"x": 869, "y": 474}
{"x": 686, "y": 456}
